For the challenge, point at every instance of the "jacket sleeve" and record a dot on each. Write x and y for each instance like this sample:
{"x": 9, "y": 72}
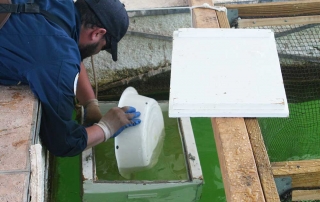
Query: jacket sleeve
{"x": 61, "y": 137}
{"x": 54, "y": 85}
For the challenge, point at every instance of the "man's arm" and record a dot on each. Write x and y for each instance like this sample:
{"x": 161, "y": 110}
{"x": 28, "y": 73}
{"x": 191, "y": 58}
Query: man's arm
{"x": 84, "y": 88}
{"x": 84, "y": 95}
{"x": 112, "y": 123}
{"x": 87, "y": 98}
{"x": 95, "y": 136}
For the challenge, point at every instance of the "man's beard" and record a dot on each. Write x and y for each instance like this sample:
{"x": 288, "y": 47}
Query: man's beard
{"x": 88, "y": 50}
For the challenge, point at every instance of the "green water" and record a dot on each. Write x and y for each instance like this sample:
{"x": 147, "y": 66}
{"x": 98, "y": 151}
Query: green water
{"x": 171, "y": 162}
{"x": 296, "y": 137}
{"x": 67, "y": 174}
{"x": 213, "y": 190}
{"x": 293, "y": 138}
{"x": 66, "y": 180}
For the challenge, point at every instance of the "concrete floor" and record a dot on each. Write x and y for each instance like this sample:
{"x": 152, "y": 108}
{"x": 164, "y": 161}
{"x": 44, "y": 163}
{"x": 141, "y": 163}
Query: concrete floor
{"x": 17, "y": 123}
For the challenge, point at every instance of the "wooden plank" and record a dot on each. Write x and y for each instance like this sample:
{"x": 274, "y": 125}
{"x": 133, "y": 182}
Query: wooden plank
{"x": 305, "y": 180}
{"x": 277, "y": 9}
{"x": 203, "y": 17}
{"x": 238, "y": 167}
{"x": 301, "y": 20}
{"x": 295, "y": 167}
{"x": 302, "y": 195}
{"x": 239, "y": 171}
{"x": 304, "y": 173}
{"x": 262, "y": 160}
{"x": 223, "y": 19}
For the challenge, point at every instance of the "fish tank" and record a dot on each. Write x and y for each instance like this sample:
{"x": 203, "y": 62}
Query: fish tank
{"x": 176, "y": 175}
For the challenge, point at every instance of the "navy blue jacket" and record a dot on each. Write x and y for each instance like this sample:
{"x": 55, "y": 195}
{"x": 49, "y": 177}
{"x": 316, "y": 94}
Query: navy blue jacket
{"x": 39, "y": 53}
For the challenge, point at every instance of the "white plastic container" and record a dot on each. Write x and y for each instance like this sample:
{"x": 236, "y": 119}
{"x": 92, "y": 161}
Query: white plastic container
{"x": 96, "y": 188}
{"x": 138, "y": 148}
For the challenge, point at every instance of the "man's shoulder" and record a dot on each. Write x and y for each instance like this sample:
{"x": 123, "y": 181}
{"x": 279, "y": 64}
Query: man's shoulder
{"x": 60, "y": 12}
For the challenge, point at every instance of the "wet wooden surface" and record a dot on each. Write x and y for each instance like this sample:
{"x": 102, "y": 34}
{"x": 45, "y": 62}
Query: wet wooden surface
{"x": 18, "y": 109}
{"x": 239, "y": 172}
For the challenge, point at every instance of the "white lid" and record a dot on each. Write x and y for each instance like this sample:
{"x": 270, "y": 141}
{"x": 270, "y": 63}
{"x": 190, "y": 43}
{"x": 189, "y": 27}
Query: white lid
{"x": 226, "y": 73}
{"x": 137, "y": 147}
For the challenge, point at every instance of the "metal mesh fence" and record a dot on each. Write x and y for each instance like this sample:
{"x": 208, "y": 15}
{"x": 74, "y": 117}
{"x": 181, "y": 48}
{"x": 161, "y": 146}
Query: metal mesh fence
{"x": 298, "y": 136}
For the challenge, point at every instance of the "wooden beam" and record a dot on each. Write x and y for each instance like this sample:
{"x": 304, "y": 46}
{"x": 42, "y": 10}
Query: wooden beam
{"x": 301, "y": 20}
{"x": 262, "y": 160}
{"x": 239, "y": 171}
{"x": 305, "y": 180}
{"x": 302, "y": 195}
{"x": 295, "y": 167}
{"x": 303, "y": 173}
{"x": 203, "y": 17}
{"x": 238, "y": 167}
{"x": 277, "y": 9}
{"x": 223, "y": 19}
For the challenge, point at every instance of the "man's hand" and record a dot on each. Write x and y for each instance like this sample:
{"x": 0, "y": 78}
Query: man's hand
{"x": 117, "y": 119}
{"x": 92, "y": 112}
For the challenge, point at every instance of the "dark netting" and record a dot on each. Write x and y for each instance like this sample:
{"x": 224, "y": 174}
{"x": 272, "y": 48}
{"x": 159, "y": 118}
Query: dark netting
{"x": 296, "y": 137}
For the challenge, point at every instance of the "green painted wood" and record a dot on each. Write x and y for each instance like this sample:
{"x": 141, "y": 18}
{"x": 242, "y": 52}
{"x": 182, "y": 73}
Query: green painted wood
{"x": 165, "y": 192}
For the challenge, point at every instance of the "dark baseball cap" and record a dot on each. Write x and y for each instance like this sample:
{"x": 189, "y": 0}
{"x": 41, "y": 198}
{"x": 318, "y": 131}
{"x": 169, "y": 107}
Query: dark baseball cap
{"x": 115, "y": 20}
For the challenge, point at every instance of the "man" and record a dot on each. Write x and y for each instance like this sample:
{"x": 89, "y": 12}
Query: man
{"x": 42, "y": 44}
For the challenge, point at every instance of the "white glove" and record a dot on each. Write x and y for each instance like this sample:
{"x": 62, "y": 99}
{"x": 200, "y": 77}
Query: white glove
{"x": 117, "y": 119}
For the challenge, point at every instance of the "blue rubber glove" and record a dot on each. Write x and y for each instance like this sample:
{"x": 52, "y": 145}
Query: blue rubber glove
{"x": 133, "y": 122}
{"x": 117, "y": 119}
